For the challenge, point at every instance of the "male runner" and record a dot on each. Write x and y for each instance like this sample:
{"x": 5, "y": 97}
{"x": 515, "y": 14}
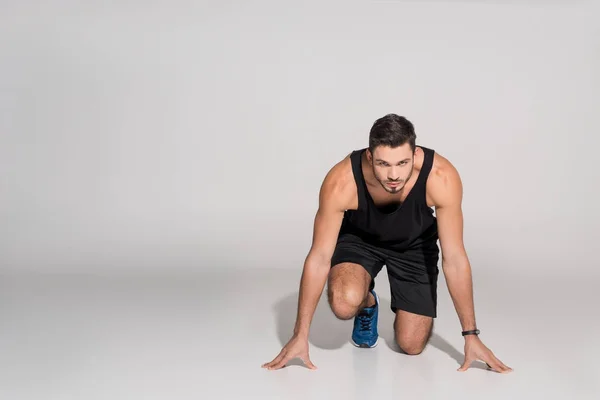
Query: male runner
{"x": 375, "y": 209}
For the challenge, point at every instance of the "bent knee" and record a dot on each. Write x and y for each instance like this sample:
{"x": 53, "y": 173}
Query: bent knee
{"x": 412, "y": 350}
{"x": 345, "y": 302}
{"x": 411, "y": 346}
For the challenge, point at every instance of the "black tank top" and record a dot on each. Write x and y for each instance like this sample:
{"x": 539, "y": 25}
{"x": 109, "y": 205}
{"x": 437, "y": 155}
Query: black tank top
{"x": 410, "y": 225}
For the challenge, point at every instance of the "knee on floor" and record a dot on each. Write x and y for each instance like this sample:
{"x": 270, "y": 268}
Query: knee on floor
{"x": 410, "y": 346}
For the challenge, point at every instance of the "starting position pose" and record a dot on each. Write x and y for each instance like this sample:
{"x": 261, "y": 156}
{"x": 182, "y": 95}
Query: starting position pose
{"x": 376, "y": 209}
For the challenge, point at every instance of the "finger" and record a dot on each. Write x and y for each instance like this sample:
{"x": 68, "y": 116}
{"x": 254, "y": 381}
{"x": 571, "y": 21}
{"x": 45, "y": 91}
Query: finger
{"x": 309, "y": 363}
{"x": 504, "y": 368}
{"x": 490, "y": 361}
{"x": 466, "y": 364}
{"x": 495, "y": 364}
{"x": 274, "y": 361}
{"x": 281, "y": 363}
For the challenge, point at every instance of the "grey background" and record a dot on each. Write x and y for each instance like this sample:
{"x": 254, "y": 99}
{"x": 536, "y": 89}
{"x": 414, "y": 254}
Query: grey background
{"x": 182, "y": 136}
{"x": 160, "y": 164}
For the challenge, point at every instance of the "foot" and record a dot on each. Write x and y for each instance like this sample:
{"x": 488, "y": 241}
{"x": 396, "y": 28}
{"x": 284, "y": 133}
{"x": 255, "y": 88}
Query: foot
{"x": 365, "y": 332}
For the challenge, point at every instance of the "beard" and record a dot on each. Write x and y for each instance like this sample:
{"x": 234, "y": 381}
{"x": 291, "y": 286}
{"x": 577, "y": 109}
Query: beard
{"x": 384, "y": 182}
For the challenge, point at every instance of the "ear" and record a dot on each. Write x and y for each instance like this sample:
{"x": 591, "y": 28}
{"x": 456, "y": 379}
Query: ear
{"x": 369, "y": 155}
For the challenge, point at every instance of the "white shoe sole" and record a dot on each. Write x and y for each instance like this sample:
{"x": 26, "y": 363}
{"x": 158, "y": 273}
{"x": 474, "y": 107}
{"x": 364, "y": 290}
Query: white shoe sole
{"x": 364, "y": 346}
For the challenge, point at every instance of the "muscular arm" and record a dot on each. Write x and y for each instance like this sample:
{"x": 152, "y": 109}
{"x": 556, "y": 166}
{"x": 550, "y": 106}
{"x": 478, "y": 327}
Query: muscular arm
{"x": 446, "y": 193}
{"x": 318, "y": 262}
{"x": 446, "y": 190}
{"x": 333, "y": 201}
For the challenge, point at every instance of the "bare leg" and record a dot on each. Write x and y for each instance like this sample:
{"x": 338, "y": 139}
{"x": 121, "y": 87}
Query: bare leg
{"x": 348, "y": 290}
{"x": 412, "y": 331}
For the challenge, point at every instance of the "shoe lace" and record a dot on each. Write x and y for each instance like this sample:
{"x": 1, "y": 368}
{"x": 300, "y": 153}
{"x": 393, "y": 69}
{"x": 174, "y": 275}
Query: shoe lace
{"x": 365, "y": 322}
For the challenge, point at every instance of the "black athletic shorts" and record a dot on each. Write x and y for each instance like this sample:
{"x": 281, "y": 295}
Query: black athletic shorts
{"x": 412, "y": 273}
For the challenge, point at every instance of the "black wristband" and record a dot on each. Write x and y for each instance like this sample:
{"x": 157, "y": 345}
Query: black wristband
{"x": 473, "y": 332}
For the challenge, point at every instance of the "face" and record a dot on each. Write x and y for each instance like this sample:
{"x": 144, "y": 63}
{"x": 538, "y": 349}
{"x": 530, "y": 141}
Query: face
{"x": 392, "y": 167}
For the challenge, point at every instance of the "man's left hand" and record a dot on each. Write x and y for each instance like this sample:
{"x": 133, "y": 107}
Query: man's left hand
{"x": 476, "y": 350}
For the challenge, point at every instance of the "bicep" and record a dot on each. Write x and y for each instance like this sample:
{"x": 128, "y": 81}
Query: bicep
{"x": 328, "y": 221}
{"x": 450, "y": 231}
{"x": 448, "y": 194}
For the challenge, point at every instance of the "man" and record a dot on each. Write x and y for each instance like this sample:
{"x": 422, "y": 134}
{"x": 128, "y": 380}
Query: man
{"x": 375, "y": 209}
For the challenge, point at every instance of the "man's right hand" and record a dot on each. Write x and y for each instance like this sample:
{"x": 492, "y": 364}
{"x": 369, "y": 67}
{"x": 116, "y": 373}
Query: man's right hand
{"x": 337, "y": 194}
{"x": 297, "y": 347}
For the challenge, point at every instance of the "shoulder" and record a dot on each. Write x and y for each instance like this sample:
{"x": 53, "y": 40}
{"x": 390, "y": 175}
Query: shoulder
{"x": 444, "y": 185}
{"x": 338, "y": 189}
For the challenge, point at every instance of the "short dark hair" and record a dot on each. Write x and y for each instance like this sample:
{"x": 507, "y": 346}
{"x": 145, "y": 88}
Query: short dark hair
{"x": 392, "y": 130}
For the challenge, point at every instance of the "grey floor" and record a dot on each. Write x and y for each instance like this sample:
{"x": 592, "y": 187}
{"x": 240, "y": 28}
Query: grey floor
{"x": 205, "y": 335}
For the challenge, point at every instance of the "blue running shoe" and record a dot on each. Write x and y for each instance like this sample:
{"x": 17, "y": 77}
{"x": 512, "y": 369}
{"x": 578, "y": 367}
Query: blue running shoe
{"x": 365, "y": 332}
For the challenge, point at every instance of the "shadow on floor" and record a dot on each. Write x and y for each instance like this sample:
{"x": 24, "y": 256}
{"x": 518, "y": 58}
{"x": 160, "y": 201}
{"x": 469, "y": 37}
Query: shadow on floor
{"x": 329, "y": 333}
